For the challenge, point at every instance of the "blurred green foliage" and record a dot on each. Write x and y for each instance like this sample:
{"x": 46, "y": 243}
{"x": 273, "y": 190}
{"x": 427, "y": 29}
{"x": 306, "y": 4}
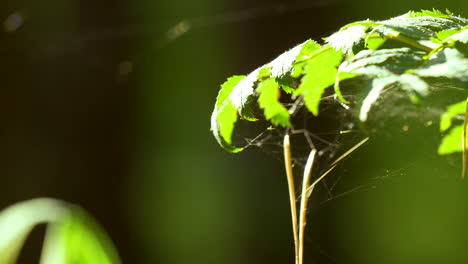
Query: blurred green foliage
{"x": 72, "y": 236}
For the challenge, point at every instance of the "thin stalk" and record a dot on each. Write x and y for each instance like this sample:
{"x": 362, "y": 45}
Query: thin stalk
{"x": 304, "y": 201}
{"x": 410, "y": 41}
{"x": 292, "y": 192}
{"x": 464, "y": 141}
{"x": 335, "y": 163}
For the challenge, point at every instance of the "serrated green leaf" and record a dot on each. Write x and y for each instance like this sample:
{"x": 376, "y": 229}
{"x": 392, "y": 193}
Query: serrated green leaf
{"x": 320, "y": 73}
{"x": 389, "y": 64}
{"x": 401, "y": 58}
{"x": 283, "y": 64}
{"x": 433, "y": 13}
{"x": 227, "y": 117}
{"x": 269, "y": 101}
{"x": 226, "y": 89}
{"x": 243, "y": 90}
{"x": 452, "y": 111}
{"x": 420, "y": 27}
{"x": 449, "y": 63}
{"x": 223, "y": 125}
{"x": 382, "y": 78}
{"x": 460, "y": 36}
{"x": 307, "y": 50}
{"x": 225, "y": 114}
{"x": 442, "y": 35}
{"x": 452, "y": 142}
{"x": 346, "y": 39}
{"x": 264, "y": 73}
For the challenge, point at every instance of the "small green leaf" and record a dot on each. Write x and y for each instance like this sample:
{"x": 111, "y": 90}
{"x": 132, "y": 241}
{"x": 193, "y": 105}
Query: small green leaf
{"x": 442, "y": 35}
{"x": 286, "y": 82}
{"x": 374, "y": 41}
{"x": 460, "y": 36}
{"x": 307, "y": 50}
{"x": 269, "y": 101}
{"x": 452, "y": 111}
{"x": 452, "y": 142}
{"x": 247, "y": 114}
{"x": 320, "y": 73}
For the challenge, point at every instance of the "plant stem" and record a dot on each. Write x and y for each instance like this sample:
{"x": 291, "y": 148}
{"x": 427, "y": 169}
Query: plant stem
{"x": 410, "y": 41}
{"x": 304, "y": 201}
{"x": 464, "y": 141}
{"x": 292, "y": 192}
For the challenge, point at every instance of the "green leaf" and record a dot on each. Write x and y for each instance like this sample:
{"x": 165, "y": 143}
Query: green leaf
{"x": 452, "y": 111}
{"x": 442, "y": 35}
{"x": 381, "y": 79}
{"x": 269, "y": 101}
{"x": 226, "y": 89}
{"x": 68, "y": 245}
{"x": 461, "y": 36}
{"x": 452, "y": 142}
{"x": 287, "y": 83}
{"x": 243, "y": 90}
{"x": 247, "y": 114}
{"x": 433, "y": 13}
{"x": 225, "y": 114}
{"x": 320, "y": 73}
{"x": 78, "y": 239}
{"x": 419, "y": 27}
{"x": 374, "y": 41}
{"x": 420, "y": 48}
{"x": 17, "y": 221}
{"x": 449, "y": 63}
{"x": 386, "y": 66}
{"x": 308, "y": 49}
{"x": 399, "y": 59}
{"x": 376, "y": 87}
{"x": 347, "y": 38}
{"x": 283, "y": 64}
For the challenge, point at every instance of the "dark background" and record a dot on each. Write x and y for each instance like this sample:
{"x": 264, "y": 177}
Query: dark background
{"x": 103, "y": 106}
